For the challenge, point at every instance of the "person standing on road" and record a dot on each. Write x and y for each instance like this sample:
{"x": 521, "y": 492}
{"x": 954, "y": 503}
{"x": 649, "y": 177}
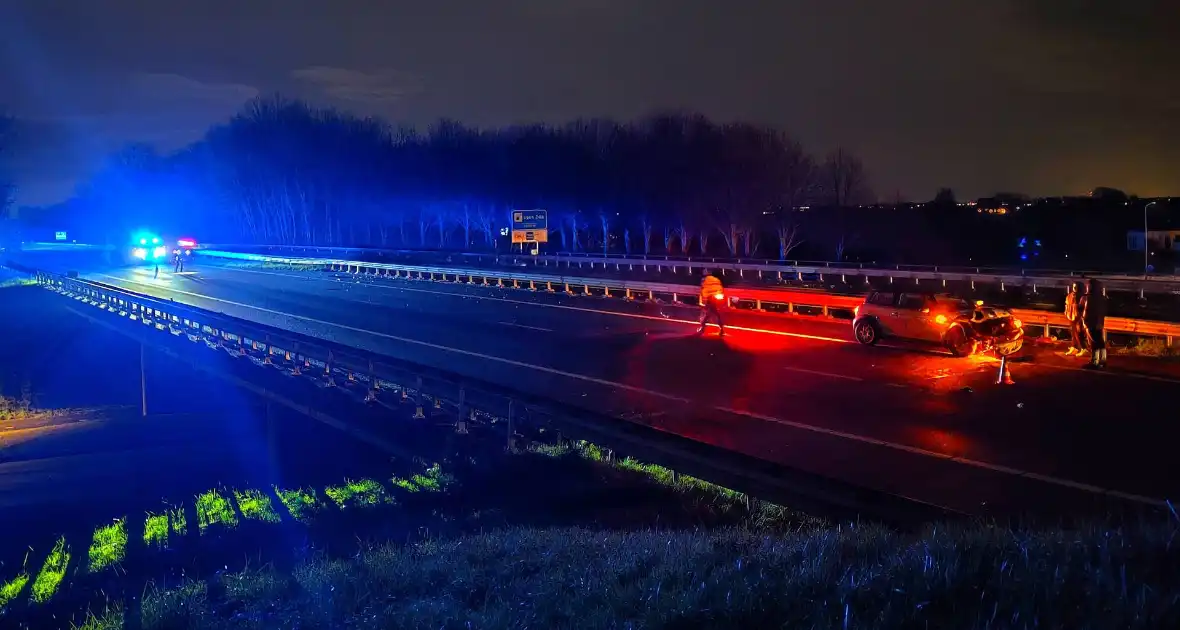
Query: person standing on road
{"x": 712, "y": 293}
{"x": 1073, "y": 315}
{"x": 1094, "y": 318}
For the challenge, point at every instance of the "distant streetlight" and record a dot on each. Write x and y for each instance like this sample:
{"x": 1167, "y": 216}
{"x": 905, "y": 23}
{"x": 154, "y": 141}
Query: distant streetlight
{"x": 1146, "y": 264}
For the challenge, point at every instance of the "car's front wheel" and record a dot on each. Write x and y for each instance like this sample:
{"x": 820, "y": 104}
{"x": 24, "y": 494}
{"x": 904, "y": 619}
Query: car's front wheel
{"x": 866, "y": 332}
{"x": 957, "y": 342}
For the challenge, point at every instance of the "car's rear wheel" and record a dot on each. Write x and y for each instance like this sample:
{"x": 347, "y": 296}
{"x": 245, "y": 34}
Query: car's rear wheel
{"x": 957, "y": 342}
{"x": 866, "y": 332}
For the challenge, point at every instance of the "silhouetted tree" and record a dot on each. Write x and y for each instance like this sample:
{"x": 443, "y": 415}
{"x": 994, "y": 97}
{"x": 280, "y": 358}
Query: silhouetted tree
{"x": 844, "y": 179}
{"x": 7, "y": 180}
{"x": 944, "y": 197}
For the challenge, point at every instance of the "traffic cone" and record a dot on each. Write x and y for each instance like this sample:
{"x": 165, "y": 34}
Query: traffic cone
{"x": 1005, "y": 375}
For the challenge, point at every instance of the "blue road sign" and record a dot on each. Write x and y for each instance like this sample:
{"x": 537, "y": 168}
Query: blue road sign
{"x": 530, "y": 220}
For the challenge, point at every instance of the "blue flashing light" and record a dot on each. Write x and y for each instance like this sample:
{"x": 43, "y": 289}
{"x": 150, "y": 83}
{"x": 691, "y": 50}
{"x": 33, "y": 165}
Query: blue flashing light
{"x": 143, "y": 241}
{"x": 1024, "y": 256}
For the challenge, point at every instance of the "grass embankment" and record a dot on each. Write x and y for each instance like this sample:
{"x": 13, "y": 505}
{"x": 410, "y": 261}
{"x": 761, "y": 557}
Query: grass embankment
{"x": 837, "y": 577}
{"x": 773, "y": 570}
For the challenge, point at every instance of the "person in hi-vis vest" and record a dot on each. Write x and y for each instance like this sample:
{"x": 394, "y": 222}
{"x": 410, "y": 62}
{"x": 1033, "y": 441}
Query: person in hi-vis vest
{"x": 712, "y": 297}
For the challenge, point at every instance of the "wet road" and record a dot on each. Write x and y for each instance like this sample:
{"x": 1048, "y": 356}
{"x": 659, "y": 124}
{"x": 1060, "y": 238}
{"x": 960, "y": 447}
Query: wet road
{"x": 904, "y": 419}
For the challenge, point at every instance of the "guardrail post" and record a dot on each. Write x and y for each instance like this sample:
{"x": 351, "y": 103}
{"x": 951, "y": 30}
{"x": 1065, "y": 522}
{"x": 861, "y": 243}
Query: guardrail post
{"x": 511, "y": 445}
{"x": 328, "y": 371}
{"x": 461, "y": 422}
{"x": 418, "y": 412}
{"x": 142, "y": 382}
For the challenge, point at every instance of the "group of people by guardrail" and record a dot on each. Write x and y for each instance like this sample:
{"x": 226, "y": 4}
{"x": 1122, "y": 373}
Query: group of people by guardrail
{"x": 1086, "y": 313}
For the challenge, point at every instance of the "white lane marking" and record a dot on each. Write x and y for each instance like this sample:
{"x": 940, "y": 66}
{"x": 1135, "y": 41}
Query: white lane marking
{"x": 427, "y": 344}
{"x": 583, "y": 309}
{"x": 853, "y": 437}
{"x": 524, "y": 326}
{"x": 974, "y": 463}
{"x": 818, "y": 373}
{"x": 1064, "y": 368}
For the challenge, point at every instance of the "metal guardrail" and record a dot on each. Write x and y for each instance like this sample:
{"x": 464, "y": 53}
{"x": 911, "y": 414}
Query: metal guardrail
{"x": 788, "y": 301}
{"x": 380, "y": 377}
{"x": 1035, "y": 278}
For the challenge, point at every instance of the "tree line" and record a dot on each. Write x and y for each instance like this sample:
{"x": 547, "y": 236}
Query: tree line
{"x": 284, "y": 172}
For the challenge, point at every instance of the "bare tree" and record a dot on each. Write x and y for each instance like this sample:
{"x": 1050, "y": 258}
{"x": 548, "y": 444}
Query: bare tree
{"x": 7, "y": 182}
{"x": 844, "y": 179}
{"x": 646, "y": 228}
{"x": 789, "y": 237}
{"x": 604, "y": 222}
{"x": 845, "y": 241}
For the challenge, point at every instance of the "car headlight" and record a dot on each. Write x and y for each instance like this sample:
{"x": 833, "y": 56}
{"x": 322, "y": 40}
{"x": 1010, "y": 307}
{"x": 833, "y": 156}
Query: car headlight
{"x": 139, "y": 253}
{"x": 160, "y": 252}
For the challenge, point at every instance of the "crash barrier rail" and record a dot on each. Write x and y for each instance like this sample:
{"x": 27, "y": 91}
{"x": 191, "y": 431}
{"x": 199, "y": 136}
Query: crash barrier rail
{"x": 466, "y": 400}
{"x": 1032, "y": 278}
{"x": 780, "y": 301}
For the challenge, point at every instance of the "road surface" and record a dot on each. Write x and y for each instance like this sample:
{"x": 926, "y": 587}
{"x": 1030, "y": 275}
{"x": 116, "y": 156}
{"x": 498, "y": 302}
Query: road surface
{"x": 904, "y": 419}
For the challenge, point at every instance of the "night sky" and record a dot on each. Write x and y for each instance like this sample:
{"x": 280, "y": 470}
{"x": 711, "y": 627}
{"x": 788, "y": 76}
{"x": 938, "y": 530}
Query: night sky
{"x": 1046, "y": 97}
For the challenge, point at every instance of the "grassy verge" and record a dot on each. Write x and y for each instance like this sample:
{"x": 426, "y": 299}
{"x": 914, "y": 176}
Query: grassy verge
{"x": 951, "y": 577}
{"x": 1149, "y": 347}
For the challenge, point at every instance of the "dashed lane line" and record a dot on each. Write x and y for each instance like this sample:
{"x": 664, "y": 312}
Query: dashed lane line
{"x": 581, "y": 309}
{"x": 1146, "y": 377}
{"x": 852, "y": 437}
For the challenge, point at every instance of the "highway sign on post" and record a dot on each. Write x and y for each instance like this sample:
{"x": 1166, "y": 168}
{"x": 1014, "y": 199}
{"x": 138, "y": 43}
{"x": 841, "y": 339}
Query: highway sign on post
{"x": 530, "y": 226}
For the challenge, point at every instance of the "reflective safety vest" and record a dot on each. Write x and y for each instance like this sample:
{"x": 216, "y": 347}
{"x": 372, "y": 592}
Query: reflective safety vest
{"x": 710, "y": 286}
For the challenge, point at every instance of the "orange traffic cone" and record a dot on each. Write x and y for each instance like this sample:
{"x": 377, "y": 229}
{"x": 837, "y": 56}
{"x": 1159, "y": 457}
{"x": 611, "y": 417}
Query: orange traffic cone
{"x": 1005, "y": 375}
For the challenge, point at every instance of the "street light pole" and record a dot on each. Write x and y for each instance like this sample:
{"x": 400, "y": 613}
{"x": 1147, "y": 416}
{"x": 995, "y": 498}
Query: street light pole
{"x": 1146, "y": 264}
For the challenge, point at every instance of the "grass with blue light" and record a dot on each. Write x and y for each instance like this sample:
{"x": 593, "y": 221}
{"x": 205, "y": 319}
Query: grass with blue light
{"x": 52, "y": 573}
{"x": 109, "y": 546}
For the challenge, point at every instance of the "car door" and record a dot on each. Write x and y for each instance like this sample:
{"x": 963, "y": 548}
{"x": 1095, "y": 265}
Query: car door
{"x": 884, "y": 308}
{"x": 913, "y": 316}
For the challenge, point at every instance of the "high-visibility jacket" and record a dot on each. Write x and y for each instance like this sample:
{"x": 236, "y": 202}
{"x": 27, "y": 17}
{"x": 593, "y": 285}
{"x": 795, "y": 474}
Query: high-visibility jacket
{"x": 1071, "y": 306}
{"x": 710, "y": 286}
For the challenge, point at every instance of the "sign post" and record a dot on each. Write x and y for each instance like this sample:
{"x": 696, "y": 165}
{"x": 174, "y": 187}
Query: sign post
{"x": 530, "y": 226}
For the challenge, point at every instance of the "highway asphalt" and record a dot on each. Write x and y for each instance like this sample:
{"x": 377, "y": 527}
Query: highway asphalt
{"x": 895, "y": 417}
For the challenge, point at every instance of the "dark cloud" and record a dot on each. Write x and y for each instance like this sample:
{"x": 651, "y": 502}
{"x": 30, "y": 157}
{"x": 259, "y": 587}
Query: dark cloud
{"x": 1044, "y": 96}
{"x": 381, "y": 87}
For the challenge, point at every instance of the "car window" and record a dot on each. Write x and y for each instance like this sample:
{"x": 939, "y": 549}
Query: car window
{"x": 912, "y": 301}
{"x": 881, "y": 298}
{"x": 953, "y": 303}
